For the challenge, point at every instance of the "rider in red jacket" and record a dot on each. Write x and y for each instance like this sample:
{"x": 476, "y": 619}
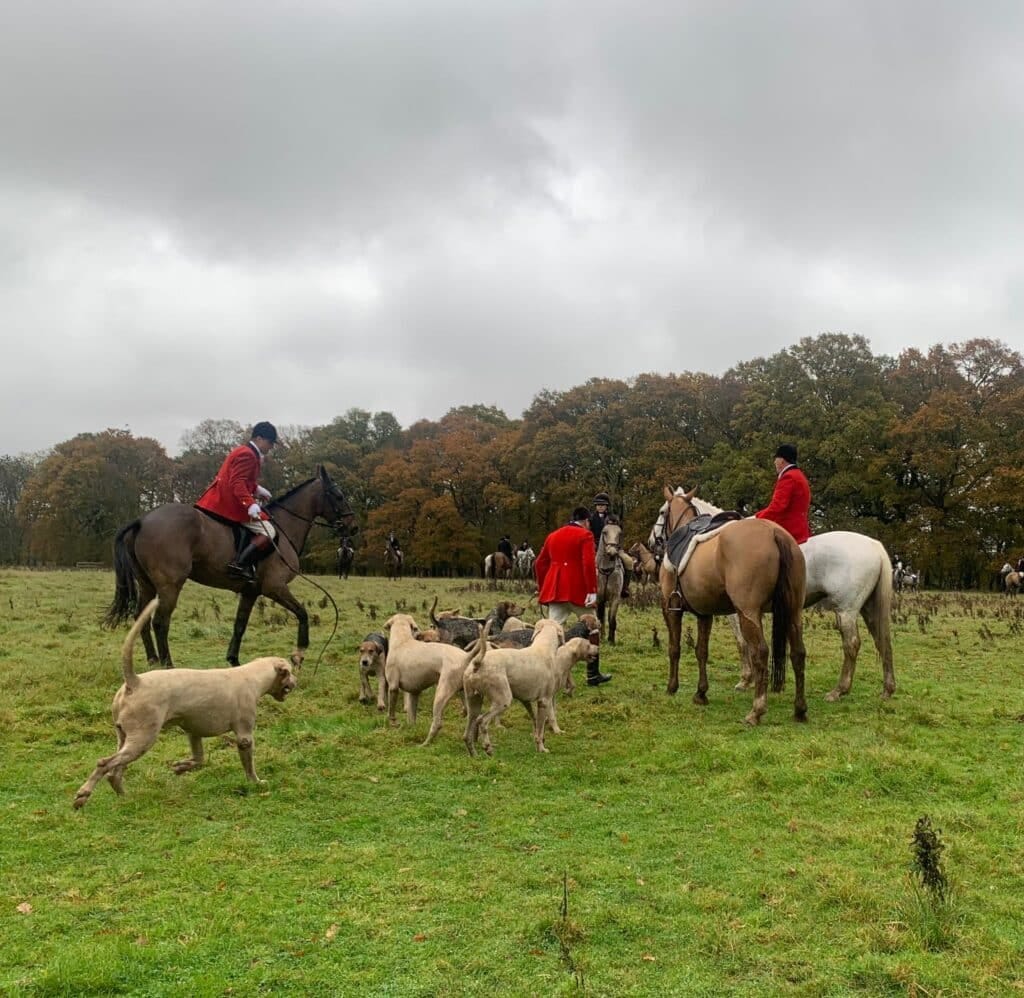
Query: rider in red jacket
{"x": 235, "y": 495}
{"x": 791, "y": 500}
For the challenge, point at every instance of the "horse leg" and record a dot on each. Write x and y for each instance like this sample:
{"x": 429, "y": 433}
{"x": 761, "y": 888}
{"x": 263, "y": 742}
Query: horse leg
{"x": 146, "y": 593}
{"x": 703, "y": 637}
{"x": 162, "y": 625}
{"x": 847, "y": 625}
{"x": 674, "y": 627}
{"x": 246, "y": 601}
{"x": 753, "y": 633}
{"x": 282, "y": 596}
{"x": 613, "y": 616}
{"x": 746, "y": 672}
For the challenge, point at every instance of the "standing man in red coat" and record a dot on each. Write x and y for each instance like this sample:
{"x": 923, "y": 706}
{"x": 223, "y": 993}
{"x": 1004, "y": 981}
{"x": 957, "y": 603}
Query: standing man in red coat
{"x": 235, "y": 495}
{"x": 791, "y": 500}
{"x": 566, "y": 571}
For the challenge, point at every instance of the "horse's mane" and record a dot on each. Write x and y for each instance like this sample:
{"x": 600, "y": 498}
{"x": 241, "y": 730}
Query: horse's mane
{"x": 280, "y": 499}
{"x": 702, "y": 506}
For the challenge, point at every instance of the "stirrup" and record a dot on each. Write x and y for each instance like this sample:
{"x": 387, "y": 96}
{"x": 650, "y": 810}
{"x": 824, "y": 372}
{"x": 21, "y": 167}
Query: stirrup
{"x": 246, "y": 572}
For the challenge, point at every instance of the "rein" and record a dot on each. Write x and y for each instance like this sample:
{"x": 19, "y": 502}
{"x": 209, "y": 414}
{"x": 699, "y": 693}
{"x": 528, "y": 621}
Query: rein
{"x": 299, "y": 574}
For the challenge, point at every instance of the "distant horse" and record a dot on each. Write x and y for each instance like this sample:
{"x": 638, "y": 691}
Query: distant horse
{"x": 747, "y": 567}
{"x": 523, "y": 566}
{"x": 847, "y": 573}
{"x": 904, "y": 578}
{"x": 497, "y": 566}
{"x": 394, "y": 561}
{"x": 346, "y": 555}
{"x": 645, "y": 565}
{"x": 156, "y": 554}
{"x": 610, "y": 575}
{"x": 1012, "y": 581}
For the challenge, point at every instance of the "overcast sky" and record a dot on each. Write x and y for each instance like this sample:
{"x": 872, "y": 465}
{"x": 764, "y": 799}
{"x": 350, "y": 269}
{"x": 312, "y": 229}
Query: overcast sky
{"x": 281, "y": 211}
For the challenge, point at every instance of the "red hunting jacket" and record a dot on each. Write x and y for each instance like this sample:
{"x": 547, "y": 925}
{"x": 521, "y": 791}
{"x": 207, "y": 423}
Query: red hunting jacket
{"x": 233, "y": 491}
{"x": 566, "y": 568}
{"x": 791, "y": 503}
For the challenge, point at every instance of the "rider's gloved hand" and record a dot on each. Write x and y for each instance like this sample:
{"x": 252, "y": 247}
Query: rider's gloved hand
{"x": 254, "y": 511}
{"x": 262, "y": 492}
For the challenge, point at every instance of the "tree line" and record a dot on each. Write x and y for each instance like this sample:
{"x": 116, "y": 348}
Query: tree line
{"x": 920, "y": 451}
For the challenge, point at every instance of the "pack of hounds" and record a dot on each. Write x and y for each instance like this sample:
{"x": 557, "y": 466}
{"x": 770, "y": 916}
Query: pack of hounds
{"x": 490, "y": 661}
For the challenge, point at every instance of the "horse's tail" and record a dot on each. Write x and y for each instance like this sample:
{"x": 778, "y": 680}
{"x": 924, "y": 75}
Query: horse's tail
{"x": 125, "y": 605}
{"x": 127, "y": 669}
{"x": 877, "y": 611}
{"x": 787, "y": 603}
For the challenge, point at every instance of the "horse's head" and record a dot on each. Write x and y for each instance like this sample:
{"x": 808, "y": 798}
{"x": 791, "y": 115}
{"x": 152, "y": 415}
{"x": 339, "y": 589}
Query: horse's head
{"x": 677, "y": 509}
{"x": 336, "y": 509}
{"x": 611, "y": 539}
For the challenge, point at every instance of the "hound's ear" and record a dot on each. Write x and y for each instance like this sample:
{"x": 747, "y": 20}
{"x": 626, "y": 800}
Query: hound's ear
{"x": 668, "y": 492}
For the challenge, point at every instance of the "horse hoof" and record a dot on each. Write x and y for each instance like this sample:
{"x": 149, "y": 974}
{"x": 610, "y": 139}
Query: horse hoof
{"x": 833, "y": 695}
{"x": 800, "y": 715}
{"x": 700, "y": 699}
{"x": 886, "y": 694}
{"x": 752, "y": 720}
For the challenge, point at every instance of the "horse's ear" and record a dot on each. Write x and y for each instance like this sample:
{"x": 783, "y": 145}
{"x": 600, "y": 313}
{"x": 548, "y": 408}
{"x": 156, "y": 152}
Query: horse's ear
{"x": 689, "y": 495}
{"x": 668, "y": 492}
{"x": 321, "y": 473}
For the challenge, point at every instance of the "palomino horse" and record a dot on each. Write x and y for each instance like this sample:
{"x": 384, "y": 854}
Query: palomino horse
{"x": 346, "y": 555}
{"x": 497, "y": 565}
{"x": 748, "y": 567}
{"x": 156, "y": 554}
{"x": 645, "y": 565}
{"x": 393, "y": 562}
{"x": 847, "y": 573}
{"x": 609, "y": 576}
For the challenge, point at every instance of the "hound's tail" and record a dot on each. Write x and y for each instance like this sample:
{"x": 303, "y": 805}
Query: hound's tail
{"x": 478, "y": 650}
{"x": 131, "y": 680}
{"x": 434, "y": 619}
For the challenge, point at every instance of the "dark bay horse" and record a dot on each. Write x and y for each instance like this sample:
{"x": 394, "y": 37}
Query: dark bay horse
{"x": 393, "y": 562}
{"x": 610, "y": 576}
{"x": 346, "y": 555}
{"x": 156, "y": 554}
{"x": 749, "y": 567}
{"x": 497, "y": 565}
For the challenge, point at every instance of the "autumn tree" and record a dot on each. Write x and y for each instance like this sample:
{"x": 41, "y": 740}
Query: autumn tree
{"x": 77, "y": 498}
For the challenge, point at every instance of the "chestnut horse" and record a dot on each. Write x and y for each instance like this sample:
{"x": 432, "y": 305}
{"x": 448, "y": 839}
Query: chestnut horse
{"x": 748, "y": 567}
{"x": 156, "y": 554}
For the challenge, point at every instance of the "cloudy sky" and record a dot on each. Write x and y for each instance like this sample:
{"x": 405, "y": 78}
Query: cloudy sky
{"x": 281, "y": 211}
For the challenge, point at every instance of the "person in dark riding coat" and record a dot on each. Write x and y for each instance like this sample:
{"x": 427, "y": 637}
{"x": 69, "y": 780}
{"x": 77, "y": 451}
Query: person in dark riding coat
{"x": 393, "y": 544}
{"x": 598, "y": 520}
{"x": 505, "y": 547}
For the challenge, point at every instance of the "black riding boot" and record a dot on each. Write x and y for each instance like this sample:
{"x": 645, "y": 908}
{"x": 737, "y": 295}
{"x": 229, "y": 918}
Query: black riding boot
{"x": 595, "y": 677}
{"x": 242, "y": 567}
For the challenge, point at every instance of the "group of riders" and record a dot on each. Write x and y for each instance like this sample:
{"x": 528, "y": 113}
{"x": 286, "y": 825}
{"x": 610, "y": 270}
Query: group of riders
{"x": 235, "y": 496}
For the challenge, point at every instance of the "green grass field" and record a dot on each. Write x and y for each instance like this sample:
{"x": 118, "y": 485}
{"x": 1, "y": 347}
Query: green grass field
{"x": 659, "y": 849}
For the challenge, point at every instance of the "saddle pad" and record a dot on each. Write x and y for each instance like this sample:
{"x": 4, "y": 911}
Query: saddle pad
{"x": 689, "y": 548}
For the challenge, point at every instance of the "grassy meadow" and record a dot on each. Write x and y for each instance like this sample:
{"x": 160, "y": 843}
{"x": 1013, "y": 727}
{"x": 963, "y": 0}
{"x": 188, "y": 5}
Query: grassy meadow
{"x": 659, "y": 849}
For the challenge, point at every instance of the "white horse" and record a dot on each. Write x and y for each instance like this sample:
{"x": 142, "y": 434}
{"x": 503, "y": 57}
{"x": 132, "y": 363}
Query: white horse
{"x": 522, "y": 567}
{"x": 848, "y": 573}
